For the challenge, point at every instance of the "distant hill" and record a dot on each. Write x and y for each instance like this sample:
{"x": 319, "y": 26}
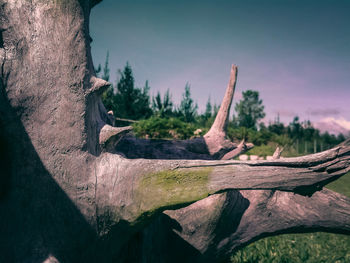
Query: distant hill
{"x": 333, "y": 126}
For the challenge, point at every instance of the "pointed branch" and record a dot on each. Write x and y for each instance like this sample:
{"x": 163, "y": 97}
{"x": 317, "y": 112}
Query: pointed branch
{"x": 220, "y": 123}
{"x": 215, "y": 138}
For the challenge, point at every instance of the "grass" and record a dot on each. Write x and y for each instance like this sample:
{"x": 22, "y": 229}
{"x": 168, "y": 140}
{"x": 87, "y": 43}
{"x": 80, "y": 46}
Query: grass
{"x": 295, "y": 248}
{"x": 342, "y": 185}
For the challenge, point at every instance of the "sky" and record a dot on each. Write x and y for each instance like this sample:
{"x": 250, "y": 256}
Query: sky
{"x": 295, "y": 53}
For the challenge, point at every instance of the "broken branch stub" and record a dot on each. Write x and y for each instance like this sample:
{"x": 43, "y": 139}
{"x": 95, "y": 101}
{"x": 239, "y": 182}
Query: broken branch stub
{"x": 110, "y": 136}
{"x": 241, "y": 148}
{"x": 278, "y": 152}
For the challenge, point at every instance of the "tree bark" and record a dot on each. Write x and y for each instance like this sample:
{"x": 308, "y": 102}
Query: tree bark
{"x": 67, "y": 196}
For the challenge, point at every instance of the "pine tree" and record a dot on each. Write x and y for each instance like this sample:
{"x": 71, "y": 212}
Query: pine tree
{"x": 163, "y": 108}
{"x": 108, "y": 95}
{"x": 208, "y": 110}
{"x": 188, "y": 109}
{"x": 105, "y": 75}
{"x": 250, "y": 109}
{"x": 131, "y": 102}
{"x": 98, "y": 70}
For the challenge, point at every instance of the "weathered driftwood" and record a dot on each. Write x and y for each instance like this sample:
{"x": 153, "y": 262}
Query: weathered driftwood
{"x": 67, "y": 196}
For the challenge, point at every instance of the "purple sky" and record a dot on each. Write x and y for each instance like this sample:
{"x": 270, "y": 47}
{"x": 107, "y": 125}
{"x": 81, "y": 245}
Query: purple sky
{"x": 295, "y": 53}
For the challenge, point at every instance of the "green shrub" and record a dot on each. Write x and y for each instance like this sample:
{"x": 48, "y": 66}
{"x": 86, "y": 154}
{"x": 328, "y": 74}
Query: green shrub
{"x": 166, "y": 128}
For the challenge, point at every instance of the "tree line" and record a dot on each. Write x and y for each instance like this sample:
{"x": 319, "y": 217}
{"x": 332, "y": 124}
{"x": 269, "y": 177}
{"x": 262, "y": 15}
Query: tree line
{"x": 130, "y": 102}
{"x": 159, "y": 117}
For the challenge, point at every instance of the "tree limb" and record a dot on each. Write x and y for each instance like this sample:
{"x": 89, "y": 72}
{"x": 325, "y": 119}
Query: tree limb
{"x": 223, "y": 223}
{"x": 147, "y": 187}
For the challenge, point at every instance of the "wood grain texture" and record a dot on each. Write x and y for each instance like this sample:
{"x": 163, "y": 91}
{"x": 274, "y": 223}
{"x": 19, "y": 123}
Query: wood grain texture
{"x": 68, "y": 196}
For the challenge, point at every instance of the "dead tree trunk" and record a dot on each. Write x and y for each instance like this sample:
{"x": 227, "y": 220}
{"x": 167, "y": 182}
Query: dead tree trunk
{"x": 65, "y": 194}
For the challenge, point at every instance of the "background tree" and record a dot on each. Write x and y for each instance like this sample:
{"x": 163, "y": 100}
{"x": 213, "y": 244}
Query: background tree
{"x": 277, "y": 127}
{"x": 250, "y": 109}
{"x": 206, "y": 119}
{"x": 105, "y": 75}
{"x": 208, "y": 110}
{"x": 98, "y": 70}
{"x": 131, "y": 102}
{"x": 108, "y": 95}
{"x": 188, "y": 109}
{"x": 295, "y": 130}
{"x": 215, "y": 110}
{"x": 163, "y": 108}
{"x": 106, "y": 70}
{"x": 142, "y": 102}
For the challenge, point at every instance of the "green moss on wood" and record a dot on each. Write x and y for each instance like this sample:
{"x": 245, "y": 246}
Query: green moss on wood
{"x": 172, "y": 189}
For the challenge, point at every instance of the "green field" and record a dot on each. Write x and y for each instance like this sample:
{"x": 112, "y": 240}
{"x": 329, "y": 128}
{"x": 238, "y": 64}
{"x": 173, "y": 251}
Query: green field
{"x": 310, "y": 248}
